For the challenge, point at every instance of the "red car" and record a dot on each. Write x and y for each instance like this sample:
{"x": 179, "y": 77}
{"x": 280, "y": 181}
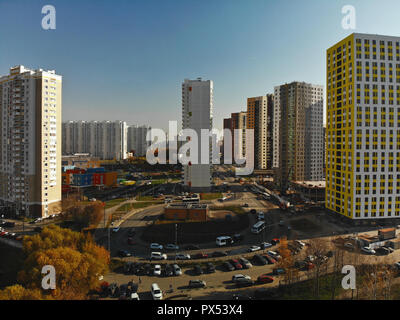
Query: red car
{"x": 269, "y": 259}
{"x": 200, "y": 255}
{"x": 264, "y": 278}
{"x": 275, "y": 241}
{"x": 309, "y": 266}
{"x": 236, "y": 264}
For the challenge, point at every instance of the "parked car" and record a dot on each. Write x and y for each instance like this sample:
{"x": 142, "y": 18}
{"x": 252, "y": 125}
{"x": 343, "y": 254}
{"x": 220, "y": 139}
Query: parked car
{"x": 240, "y": 283}
{"x": 261, "y": 216}
{"x": 158, "y": 256}
{"x": 245, "y": 263}
{"x": 177, "y": 270}
{"x": 265, "y": 278}
{"x": 269, "y": 259}
{"x": 182, "y": 256}
{"x": 210, "y": 268}
{"x": 300, "y": 243}
{"x": 171, "y": 246}
{"x": 227, "y": 266}
{"x": 275, "y": 241}
{"x": 116, "y": 229}
{"x": 236, "y": 264}
{"x": 397, "y": 265}
{"x": 278, "y": 271}
{"x": 124, "y": 253}
{"x": 260, "y": 260}
{"x": 200, "y": 255}
{"x": 253, "y": 249}
{"x": 237, "y": 237}
{"x": 349, "y": 245}
{"x": 197, "y": 283}
{"x": 237, "y": 277}
{"x": 156, "y": 246}
{"x": 157, "y": 270}
{"x": 197, "y": 270}
{"x": 168, "y": 270}
{"x": 368, "y": 250}
{"x": 156, "y": 292}
{"x": 265, "y": 245}
{"x": 219, "y": 254}
{"x": 274, "y": 255}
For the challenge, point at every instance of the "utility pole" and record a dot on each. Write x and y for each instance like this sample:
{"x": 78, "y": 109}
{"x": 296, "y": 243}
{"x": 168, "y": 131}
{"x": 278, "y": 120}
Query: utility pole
{"x": 176, "y": 239}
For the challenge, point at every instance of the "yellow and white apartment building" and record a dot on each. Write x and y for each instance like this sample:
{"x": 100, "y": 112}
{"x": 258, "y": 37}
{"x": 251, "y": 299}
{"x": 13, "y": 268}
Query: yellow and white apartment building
{"x": 30, "y": 143}
{"x": 362, "y": 127}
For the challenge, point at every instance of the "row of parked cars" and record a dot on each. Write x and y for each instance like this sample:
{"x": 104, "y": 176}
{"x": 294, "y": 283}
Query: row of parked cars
{"x": 9, "y": 235}
{"x": 122, "y": 292}
{"x": 142, "y": 269}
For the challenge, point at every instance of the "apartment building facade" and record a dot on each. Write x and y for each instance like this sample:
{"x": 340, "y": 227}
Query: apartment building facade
{"x": 30, "y": 144}
{"x": 237, "y": 121}
{"x": 260, "y": 118}
{"x": 298, "y": 135}
{"x": 104, "y": 139}
{"x": 137, "y": 139}
{"x": 363, "y": 131}
{"x": 197, "y": 114}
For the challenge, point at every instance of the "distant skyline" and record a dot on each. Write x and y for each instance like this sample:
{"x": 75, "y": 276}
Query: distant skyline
{"x": 126, "y": 59}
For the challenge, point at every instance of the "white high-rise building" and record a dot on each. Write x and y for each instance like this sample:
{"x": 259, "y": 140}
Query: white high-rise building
{"x": 137, "y": 140}
{"x": 30, "y": 141}
{"x": 197, "y": 111}
{"x": 104, "y": 139}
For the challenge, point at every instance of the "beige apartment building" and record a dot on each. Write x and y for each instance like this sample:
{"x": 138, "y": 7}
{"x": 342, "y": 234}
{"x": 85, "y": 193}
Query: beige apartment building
{"x": 260, "y": 119}
{"x": 30, "y": 144}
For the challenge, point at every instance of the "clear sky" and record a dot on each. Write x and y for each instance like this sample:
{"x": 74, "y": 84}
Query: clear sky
{"x": 126, "y": 59}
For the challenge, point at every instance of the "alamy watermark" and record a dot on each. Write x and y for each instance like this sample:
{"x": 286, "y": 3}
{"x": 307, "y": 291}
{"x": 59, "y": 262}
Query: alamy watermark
{"x": 200, "y": 147}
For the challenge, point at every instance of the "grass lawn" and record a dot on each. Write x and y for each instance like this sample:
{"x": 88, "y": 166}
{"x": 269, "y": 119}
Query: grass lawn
{"x": 210, "y": 196}
{"x": 144, "y": 198}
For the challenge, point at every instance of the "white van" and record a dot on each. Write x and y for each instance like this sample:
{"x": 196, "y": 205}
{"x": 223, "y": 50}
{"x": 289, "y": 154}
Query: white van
{"x": 158, "y": 256}
{"x": 258, "y": 227}
{"x": 223, "y": 241}
{"x": 156, "y": 292}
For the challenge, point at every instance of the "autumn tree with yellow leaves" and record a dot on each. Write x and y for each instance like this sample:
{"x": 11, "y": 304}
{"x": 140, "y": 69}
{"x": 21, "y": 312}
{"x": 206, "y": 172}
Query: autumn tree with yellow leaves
{"x": 77, "y": 259}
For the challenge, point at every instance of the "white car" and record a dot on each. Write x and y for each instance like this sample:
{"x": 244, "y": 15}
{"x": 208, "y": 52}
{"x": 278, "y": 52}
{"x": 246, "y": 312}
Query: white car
{"x": 158, "y": 256}
{"x": 182, "y": 256}
{"x": 236, "y": 277}
{"x": 156, "y": 292}
{"x": 274, "y": 254}
{"x": 156, "y": 246}
{"x": 134, "y": 296}
{"x": 368, "y": 250}
{"x": 300, "y": 243}
{"x": 254, "y": 248}
{"x": 115, "y": 230}
{"x": 157, "y": 270}
{"x": 177, "y": 270}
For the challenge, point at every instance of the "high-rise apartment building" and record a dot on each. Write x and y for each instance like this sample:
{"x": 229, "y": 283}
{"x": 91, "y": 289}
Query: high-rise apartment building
{"x": 197, "y": 114}
{"x": 104, "y": 139}
{"x": 362, "y": 128}
{"x": 298, "y": 133}
{"x": 30, "y": 143}
{"x": 260, "y": 117}
{"x": 137, "y": 140}
{"x": 237, "y": 121}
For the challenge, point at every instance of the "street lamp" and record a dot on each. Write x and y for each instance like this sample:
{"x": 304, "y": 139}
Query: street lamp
{"x": 176, "y": 239}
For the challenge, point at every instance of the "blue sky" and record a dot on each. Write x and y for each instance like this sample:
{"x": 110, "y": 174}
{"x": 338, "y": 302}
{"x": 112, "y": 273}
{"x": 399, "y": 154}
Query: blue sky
{"x": 126, "y": 59}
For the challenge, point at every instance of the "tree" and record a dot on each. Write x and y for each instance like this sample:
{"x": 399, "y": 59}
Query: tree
{"x": 18, "y": 292}
{"x": 77, "y": 259}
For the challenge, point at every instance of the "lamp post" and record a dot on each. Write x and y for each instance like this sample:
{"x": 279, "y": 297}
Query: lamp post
{"x": 176, "y": 240}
